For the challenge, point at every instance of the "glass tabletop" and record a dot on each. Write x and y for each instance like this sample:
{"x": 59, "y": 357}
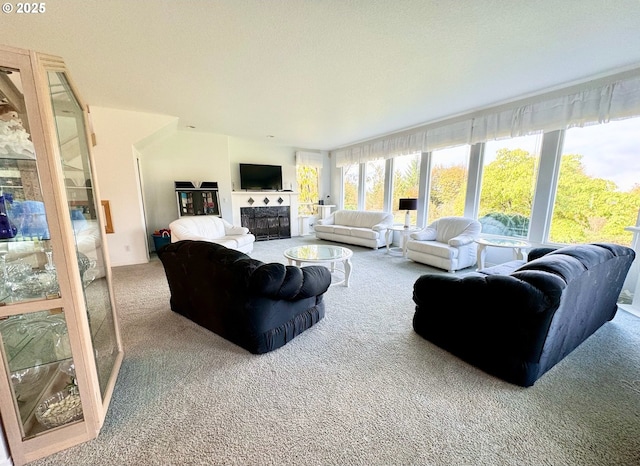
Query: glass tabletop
{"x": 503, "y": 243}
{"x": 397, "y": 227}
{"x": 317, "y": 252}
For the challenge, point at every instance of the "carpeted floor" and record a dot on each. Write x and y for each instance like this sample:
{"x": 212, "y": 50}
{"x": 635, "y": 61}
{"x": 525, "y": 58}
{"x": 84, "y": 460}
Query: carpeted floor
{"x": 359, "y": 388}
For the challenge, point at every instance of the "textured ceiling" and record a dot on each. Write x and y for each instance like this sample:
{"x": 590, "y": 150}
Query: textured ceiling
{"x": 319, "y": 74}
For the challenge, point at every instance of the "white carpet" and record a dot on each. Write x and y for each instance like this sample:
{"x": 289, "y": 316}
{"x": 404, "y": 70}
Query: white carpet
{"x": 359, "y": 388}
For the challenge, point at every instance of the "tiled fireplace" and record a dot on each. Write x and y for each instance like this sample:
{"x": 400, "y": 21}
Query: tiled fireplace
{"x": 268, "y": 215}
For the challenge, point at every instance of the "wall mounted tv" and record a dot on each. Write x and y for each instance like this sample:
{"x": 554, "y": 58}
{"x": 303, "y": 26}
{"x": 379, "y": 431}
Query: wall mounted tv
{"x": 255, "y": 177}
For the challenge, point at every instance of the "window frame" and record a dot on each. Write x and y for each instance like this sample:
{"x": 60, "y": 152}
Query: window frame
{"x": 545, "y": 190}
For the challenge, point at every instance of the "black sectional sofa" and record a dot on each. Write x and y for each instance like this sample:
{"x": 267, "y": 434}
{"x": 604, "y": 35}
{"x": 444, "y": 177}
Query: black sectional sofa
{"x": 257, "y": 306}
{"x": 517, "y": 324}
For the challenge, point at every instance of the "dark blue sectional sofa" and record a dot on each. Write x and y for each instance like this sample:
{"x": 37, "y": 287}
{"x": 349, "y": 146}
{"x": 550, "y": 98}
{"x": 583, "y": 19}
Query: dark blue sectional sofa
{"x": 518, "y": 321}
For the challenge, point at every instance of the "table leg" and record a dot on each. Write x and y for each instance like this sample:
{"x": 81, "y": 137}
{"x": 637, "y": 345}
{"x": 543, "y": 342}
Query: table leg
{"x": 517, "y": 252}
{"x": 405, "y": 239}
{"x": 482, "y": 253}
{"x": 347, "y": 272}
{"x": 388, "y": 237}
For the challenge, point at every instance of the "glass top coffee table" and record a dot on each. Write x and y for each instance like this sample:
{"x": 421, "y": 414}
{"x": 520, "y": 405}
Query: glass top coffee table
{"x": 324, "y": 255}
{"x": 517, "y": 245}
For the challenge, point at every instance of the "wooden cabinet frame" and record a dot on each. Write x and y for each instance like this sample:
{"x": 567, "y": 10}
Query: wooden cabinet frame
{"x": 95, "y": 378}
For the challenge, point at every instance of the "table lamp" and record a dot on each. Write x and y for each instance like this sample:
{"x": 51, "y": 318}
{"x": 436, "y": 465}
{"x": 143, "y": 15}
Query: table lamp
{"x": 408, "y": 204}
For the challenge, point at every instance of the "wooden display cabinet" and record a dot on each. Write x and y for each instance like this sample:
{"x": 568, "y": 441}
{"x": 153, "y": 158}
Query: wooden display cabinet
{"x": 59, "y": 338}
{"x": 200, "y": 200}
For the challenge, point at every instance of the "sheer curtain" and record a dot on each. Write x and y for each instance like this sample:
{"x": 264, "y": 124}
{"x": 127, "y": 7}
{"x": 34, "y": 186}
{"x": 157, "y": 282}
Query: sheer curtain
{"x": 598, "y": 101}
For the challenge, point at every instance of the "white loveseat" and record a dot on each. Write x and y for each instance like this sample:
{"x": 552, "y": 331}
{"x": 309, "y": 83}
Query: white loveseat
{"x": 213, "y": 229}
{"x": 448, "y": 243}
{"x": 363, "y": 228}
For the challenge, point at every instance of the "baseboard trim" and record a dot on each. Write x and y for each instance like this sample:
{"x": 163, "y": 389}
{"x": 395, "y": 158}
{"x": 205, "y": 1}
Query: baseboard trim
{"x": 630, "y": 309}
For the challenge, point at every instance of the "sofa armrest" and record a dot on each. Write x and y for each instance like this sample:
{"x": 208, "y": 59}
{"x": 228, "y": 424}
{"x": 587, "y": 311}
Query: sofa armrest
{"x": 277, "y": 281}
{"x": 428, "y": 234}
{"x": 187, "y": 237}
{"x": 236, "y": 230}
{"x": 330, "y": 220}
{"x": 500, "y": 316}
{"x": 461, "y": 240}
{"x": 380, "y": 227}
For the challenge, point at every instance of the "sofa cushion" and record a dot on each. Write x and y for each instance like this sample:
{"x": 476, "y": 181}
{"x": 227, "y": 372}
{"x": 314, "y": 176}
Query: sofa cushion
{"x": 364, "y": 233}
{"x": 323, "y": 228}
{"x": 434, "y": 248}
{"x": 342, "y": 230}
{"x": 359, "y": 218}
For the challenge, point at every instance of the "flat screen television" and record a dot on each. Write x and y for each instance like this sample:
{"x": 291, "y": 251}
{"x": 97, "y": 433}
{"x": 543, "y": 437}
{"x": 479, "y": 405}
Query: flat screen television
{"x": 255, "y": 177}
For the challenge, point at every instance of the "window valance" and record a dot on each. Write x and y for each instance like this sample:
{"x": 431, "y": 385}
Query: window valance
{"x": 597, "y": 101}
{"x": 309, "y": 159}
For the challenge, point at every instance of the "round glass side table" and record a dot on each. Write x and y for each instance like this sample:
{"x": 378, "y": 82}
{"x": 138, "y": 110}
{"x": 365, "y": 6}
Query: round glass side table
{"x": 518, "y": 246}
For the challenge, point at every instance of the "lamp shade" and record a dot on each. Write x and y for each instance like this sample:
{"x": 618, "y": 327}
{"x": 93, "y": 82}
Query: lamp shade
{"x": 408, "y": 204}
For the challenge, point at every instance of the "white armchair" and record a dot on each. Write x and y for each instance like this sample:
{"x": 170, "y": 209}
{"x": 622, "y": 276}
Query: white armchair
{"x": 448, "y": 243}
{"x": 213, "y": 229}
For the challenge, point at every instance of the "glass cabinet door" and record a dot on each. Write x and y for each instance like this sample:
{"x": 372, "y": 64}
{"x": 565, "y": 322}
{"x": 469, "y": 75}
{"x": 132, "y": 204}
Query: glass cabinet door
{"x": 25, "y": 252}
{"x": 35, "y": 344}
{"x": 87, "y": 227}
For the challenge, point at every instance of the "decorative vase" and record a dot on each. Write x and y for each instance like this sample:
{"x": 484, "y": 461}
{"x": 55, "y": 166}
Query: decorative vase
{"x": 7, "y": 229}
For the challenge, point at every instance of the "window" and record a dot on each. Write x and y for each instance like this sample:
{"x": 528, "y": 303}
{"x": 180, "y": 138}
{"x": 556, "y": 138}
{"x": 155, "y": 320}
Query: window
{"x": 509, "y": 176}
{"x": 406, "y": 178}
{"x": 598, "y": 192}
{"x": 374, "y": 185}
{"x": 448, "y": 186}
{"x": 308, "y": 179}
{"x": 350, "y": 186}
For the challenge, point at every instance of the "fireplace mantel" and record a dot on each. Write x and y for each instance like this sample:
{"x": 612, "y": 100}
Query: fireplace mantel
{"x": 241, "y": 199}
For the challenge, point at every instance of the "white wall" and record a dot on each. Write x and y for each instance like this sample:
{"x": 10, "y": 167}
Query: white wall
{"x": 116, "y": 133}
{"x": 5, "y": 456}
{"x": 183, "y": 156}
{"x": 245, "y": 151}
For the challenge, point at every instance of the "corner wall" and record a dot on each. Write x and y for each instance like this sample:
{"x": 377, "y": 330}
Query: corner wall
{"x": 117, "y": 131}
{"x": 183, "y": 156}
